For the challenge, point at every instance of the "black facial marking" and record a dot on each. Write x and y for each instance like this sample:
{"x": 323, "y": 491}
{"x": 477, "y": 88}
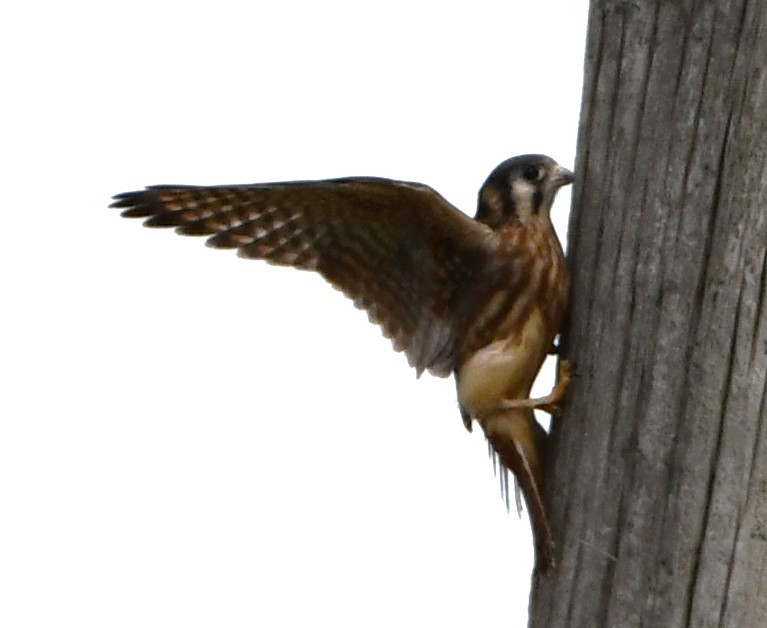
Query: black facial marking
{"x": 509, "y": 205}
{"x": 531, "y": 173}
{"x": 497, "y": 204}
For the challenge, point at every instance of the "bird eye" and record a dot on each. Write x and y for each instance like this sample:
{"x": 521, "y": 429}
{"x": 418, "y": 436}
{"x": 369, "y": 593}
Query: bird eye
{"x": 532, "y": 173}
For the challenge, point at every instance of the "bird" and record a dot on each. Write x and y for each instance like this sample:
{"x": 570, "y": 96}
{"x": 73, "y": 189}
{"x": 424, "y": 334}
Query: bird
{"x": 481, "y": 299}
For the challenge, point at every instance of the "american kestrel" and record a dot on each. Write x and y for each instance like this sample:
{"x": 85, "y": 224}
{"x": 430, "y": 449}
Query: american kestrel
{"x": 480, "y": 298}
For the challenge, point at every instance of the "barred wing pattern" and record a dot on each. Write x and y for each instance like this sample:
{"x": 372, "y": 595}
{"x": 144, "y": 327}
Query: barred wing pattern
{"x": 399, "y": 250}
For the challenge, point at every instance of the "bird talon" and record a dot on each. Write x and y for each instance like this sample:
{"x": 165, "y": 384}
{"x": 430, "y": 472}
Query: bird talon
{"x": 551, "y": 402}
{"x": 554, "y": 409}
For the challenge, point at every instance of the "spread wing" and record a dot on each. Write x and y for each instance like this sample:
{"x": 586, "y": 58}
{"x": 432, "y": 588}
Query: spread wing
{"x": 399, "y": 250}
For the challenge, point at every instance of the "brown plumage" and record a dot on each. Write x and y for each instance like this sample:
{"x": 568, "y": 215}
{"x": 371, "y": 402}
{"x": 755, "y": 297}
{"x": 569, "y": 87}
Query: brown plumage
{"x": 482, "y": 298}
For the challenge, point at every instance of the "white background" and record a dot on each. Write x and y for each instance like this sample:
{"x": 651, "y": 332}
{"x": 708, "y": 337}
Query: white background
{"x": 188, "y": 439}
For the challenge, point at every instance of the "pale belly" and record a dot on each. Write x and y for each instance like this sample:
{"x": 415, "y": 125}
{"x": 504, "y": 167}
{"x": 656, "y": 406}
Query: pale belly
{"x": 503, "y": 369}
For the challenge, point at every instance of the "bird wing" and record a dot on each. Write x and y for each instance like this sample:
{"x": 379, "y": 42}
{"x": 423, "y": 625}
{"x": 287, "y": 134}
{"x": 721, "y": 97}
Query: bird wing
{"x": 399, "y": 250}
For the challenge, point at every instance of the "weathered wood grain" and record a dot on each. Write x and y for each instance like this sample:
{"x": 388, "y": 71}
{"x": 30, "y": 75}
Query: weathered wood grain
{"x": 658, "y": 474}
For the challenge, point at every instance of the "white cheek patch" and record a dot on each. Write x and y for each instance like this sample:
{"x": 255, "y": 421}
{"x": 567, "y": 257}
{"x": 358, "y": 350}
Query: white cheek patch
{"x": 523, "y": 192}
{"x": 522, "y": 187}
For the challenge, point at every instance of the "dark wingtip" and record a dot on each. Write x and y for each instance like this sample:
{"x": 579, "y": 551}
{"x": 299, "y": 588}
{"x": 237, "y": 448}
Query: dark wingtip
{"x": 157, "y": 218}
{"x": 226, "y": 240}
{"x": 121, "y": 199}
{"x": 133, "y": 204}
{"x": 143, "y": 203}
{"x": 136, "y": 212}
{"x": 195, "y": 229}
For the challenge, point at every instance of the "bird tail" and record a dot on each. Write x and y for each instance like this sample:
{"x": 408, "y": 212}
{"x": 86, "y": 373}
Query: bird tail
{"x": 517, "y": 439}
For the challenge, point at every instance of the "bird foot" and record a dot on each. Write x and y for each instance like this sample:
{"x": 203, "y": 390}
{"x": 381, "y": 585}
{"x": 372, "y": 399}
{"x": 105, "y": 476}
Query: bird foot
{"x": 551, "y": 402}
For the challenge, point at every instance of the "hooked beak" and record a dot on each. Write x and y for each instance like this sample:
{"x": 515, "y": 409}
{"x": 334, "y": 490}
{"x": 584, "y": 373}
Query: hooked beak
{"x": 562, "y": 177}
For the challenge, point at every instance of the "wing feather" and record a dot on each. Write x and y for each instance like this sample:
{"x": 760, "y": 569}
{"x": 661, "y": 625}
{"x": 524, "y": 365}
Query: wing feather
{"x": 398, "y": 250}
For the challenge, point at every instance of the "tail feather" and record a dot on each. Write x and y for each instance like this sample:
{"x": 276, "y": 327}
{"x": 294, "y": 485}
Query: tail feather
{"x": 516, "y": 438}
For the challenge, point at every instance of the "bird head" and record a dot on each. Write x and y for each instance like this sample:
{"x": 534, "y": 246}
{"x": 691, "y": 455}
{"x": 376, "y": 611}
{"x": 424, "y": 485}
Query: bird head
{"x": 521, "y": 189}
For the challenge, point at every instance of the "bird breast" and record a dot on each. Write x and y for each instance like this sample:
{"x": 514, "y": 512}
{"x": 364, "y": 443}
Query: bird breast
{"x": 505, "y": 368}
{"x": 511, "y": 333}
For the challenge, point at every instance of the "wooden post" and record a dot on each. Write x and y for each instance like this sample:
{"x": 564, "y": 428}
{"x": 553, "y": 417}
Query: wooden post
{"x": 657, "y": 478}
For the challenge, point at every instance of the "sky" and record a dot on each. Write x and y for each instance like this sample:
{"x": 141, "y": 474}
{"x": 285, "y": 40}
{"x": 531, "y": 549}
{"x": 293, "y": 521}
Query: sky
{"x": 190, "y": 439}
